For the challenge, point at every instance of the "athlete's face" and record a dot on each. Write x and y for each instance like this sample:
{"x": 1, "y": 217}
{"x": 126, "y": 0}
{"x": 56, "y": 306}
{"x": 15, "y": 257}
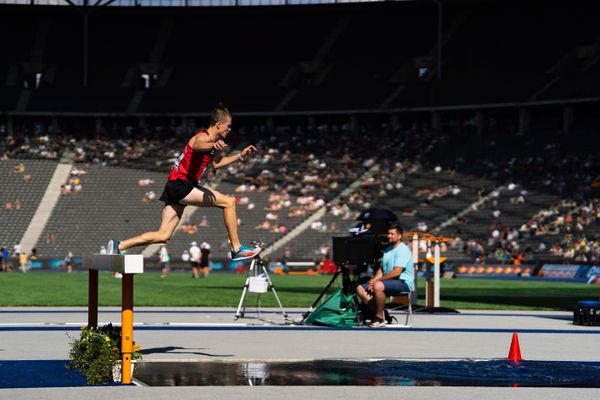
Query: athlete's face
{"x": 223, "y": 128}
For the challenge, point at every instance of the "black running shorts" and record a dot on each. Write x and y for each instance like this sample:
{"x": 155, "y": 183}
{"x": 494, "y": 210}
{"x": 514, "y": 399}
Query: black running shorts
{"x": 176, "y": 190}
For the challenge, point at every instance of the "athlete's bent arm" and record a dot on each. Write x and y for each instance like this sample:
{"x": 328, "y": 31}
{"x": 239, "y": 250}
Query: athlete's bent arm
{"x": 220, "y": 162}
{"x": 206, "y": 143}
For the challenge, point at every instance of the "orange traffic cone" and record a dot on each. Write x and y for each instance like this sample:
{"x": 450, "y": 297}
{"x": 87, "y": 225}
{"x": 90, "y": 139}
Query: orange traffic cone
{"x": 514, "y": 353}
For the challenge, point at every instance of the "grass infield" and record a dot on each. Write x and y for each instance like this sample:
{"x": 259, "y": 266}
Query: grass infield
{"x": 224, "y": 290}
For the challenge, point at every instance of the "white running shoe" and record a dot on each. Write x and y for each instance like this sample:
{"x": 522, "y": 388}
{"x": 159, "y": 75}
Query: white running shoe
{"x": 113, "y": 247}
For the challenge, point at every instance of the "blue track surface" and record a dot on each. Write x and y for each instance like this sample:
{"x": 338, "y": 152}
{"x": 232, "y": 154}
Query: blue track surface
{"x": 39, "y": 373}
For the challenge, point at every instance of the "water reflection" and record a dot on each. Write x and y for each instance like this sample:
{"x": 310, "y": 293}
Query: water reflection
{"x": 371, "y": 373}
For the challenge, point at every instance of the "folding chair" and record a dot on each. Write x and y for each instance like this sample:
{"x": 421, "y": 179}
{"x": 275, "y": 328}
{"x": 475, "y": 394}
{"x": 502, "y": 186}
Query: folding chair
{"x": 402, "y": 301}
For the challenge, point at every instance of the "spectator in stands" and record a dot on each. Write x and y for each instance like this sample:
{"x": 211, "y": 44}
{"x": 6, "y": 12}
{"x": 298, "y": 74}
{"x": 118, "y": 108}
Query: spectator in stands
{"x": 145, "y": 182}
{"x": 271, "y": 216}
{"x": 481, "y": 193}
{"x": 204, "y": 222}
{"x": 317, "y": 225}
{"x": 149, "y": 197}
{"x": 77, "y": 171}
{"x": 409, "y": 212}
{"x": 395, "y": 276}
{"x": 333, "y": 227}
{"x": 76, "y": 184}
{"x": 182, "y": 188}
{"x": 265, "y": 225}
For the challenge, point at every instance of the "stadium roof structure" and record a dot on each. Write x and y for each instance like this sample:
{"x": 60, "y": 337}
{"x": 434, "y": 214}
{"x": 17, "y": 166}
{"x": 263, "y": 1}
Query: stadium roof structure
{"x": 181, "y": 3}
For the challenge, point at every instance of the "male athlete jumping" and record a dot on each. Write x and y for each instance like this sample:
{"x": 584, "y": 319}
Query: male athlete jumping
{"x": 182, "y": 187}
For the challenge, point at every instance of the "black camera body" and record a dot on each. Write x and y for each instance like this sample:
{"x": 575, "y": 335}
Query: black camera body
{"x": 358, "y": 252}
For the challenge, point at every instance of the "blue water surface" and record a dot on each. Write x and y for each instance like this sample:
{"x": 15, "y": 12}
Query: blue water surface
{"x": 380, "y": 372}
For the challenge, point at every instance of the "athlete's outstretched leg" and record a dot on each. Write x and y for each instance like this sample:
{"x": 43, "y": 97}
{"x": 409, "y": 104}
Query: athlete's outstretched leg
{"x": 231, "y": 220}
{"x": 170, "y": 218}
{"x": 202, "y": 197}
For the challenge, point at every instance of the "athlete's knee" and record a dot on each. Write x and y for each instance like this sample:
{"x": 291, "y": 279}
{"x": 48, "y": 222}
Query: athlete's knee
{"x": 228, "y": 202}
{"x": 163, "y": 237}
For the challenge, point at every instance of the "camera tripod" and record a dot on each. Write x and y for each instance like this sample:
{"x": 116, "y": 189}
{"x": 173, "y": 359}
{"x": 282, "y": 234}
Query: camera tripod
{"x": 347, "y": 285}
{"x": 257, "y": 270}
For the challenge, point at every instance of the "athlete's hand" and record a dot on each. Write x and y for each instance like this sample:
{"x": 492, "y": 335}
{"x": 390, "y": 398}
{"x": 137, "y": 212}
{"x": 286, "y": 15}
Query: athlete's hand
{"x": 220, "y": 145}
{"x": 248, "y": 150}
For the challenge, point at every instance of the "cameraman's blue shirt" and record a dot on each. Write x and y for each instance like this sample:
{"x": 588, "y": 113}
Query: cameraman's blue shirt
{"x": 400, "y": 257}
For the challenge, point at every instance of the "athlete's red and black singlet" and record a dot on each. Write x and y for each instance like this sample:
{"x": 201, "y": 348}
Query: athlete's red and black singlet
{"x": 190, "y": 165}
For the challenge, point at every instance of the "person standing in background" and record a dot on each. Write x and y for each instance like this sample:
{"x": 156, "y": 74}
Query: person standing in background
{"x": 185, "y": 257}
{"x": 195, "y": 260}
{"x": 5, "y": 259}
{"x": 69, "y": 262}
{"x": 23, "y": 261}
{"x": 204, "y": 259}
{"x": 164, "y": 257}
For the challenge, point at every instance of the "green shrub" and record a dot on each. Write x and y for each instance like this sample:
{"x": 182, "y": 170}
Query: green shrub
{"x": 96, "y": 351}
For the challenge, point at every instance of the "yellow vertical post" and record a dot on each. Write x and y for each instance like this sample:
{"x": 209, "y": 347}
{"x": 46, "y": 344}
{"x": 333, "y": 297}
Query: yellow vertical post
{"x": 92, "y": 298}
{"x": 126, "y": 327}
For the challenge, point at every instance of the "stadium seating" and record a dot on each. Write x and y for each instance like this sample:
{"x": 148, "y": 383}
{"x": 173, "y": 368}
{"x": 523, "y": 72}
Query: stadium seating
{"x": 109, "y": 206}
{"x": 14, "y": 222}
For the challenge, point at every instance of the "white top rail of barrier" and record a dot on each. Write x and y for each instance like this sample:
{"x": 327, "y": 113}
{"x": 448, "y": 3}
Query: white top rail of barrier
{"x": 123, "y": 263}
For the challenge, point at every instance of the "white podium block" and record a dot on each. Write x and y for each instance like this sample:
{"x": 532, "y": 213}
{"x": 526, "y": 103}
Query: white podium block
{"x": 123, "y": 263}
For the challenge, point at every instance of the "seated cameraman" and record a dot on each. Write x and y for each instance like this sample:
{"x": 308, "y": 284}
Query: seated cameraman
{"x": 395, "y": 276}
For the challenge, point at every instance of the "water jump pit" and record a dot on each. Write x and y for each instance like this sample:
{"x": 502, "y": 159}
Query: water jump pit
{"x": 466, "y": 372}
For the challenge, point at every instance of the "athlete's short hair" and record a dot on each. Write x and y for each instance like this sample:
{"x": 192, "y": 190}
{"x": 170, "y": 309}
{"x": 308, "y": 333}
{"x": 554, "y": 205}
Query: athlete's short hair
{"x": 219, "y": 113}
{"x": 397, "y": 228}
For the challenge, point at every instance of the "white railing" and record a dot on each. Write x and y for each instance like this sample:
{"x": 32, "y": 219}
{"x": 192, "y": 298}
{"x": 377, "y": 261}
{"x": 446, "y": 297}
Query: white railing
{"x": 182, "y": 3}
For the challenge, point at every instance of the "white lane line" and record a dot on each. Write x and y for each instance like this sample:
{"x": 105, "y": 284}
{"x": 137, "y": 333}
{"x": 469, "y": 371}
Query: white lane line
{"x": 25, "y": 324}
